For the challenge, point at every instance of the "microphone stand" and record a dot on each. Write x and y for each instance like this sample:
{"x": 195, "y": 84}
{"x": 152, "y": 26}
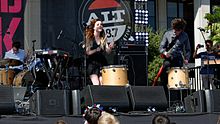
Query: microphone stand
{"x": 85, "y": 56}
{"x": 207, "y": 58}
{"x": 202, "y": 34}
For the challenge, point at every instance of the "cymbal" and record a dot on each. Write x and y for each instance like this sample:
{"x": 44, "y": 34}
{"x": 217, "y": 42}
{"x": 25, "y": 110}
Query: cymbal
{"x": 10, "y": 62}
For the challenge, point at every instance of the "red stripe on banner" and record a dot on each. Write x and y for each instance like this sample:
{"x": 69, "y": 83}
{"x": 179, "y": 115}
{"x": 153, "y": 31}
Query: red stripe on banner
{"x": 10, "y": 32}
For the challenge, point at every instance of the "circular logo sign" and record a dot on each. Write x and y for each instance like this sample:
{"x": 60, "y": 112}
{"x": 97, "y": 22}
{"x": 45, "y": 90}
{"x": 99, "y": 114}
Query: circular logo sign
{"x": 116, "y": 16}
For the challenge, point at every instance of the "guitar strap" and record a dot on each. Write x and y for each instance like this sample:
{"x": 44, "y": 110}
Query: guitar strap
{"x": 173, "y": 42}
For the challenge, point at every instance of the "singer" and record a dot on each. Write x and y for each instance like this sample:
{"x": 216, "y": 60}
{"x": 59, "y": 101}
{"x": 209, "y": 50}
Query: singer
{"x": 96, "y": 45}
{"x": 207, "y": 72}
{"x": 173, "y": 45}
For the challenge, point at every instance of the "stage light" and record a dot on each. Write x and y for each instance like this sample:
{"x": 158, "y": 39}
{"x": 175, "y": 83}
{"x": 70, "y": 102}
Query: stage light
{"x": 141, "y": 21}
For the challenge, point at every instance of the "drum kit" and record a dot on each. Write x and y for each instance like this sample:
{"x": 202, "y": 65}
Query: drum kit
{"x": 24, "y": 78}
{"x": 6, "y": 74}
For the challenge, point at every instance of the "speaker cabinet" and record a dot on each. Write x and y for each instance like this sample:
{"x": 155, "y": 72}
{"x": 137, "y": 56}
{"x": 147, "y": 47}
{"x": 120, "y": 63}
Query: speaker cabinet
{"x": 50, "y": 102}
{"x": 213, "y": 100}
{"x": 195, "y": 102}
{"x": 137, "y": 66}
{"x": 107, "y": 96}
{"x": 7, "y": 105}
{"x": 143, "y": 97}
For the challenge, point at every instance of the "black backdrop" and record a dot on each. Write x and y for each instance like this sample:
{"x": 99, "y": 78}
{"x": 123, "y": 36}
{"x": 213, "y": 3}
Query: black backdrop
{"x": 61, "y": 16}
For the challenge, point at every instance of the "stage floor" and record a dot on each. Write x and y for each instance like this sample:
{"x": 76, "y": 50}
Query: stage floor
{"x": 125, "y": 118}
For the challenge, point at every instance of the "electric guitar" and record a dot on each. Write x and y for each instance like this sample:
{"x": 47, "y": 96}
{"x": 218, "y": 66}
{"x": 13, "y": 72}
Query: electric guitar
{"x": 161, "y": 68}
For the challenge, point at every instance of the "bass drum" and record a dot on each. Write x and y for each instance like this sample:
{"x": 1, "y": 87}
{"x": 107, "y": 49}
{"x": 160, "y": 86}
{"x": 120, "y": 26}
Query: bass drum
{"x": 115, "y": 75}
{"x": 178, "y": 78}
{"x": 23, "y": 78}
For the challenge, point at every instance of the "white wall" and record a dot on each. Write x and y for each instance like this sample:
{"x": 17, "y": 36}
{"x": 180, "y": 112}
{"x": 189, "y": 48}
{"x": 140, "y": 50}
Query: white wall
{"x": 201, "y": 7}
{"x": 32, "y": 24}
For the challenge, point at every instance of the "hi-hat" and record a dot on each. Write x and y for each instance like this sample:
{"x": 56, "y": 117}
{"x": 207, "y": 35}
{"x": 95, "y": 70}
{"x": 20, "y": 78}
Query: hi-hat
{"x": 10, "y": 62}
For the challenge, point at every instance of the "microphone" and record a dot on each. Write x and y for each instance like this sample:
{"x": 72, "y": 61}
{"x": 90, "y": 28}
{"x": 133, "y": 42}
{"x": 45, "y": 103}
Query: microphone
{"x": 200, "y": 46}
{"x": 201, "y": 29}
{"x": 84, "y": 24}
{"x": 34, "y": 41}
{"x": 58, "y": 37}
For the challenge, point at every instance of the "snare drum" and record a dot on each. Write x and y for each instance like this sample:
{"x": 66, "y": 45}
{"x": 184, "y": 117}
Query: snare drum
{"x": 23, "y": 78}
{"x": 178, "y": 78}
{"x": 7, "y": 77}
{"x": 115, "y": 75}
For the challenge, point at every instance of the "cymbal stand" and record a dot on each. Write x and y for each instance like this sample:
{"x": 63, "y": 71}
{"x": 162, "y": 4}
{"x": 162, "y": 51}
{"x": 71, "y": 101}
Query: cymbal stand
{"x": 34, "y": 68}
{"x": 6, "y": 71}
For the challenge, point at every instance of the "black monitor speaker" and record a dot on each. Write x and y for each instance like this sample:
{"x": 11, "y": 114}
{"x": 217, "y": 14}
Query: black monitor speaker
{"x": 109, "y": 97}
{"x": 144, "y": 97}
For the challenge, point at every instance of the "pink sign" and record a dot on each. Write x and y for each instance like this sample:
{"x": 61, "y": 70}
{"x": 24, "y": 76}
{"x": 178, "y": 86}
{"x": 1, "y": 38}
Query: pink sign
{"x": 6, "y": 35}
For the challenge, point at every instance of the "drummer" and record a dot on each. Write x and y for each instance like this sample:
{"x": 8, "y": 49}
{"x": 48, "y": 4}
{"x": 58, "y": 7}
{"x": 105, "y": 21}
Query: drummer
{"x": 16, "y": 54}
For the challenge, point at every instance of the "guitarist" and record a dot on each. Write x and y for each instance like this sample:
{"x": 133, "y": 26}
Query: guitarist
{"x": 174, "y": 43}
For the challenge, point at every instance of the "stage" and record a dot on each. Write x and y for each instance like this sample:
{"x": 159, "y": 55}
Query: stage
{"x": 125, "y": 118}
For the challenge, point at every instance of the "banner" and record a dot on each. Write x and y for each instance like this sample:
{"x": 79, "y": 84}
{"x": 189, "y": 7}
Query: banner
{"x": 11, "y": 23}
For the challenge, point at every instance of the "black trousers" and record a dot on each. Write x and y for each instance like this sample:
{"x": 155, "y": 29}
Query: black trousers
{"x": 167, "y": 65}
